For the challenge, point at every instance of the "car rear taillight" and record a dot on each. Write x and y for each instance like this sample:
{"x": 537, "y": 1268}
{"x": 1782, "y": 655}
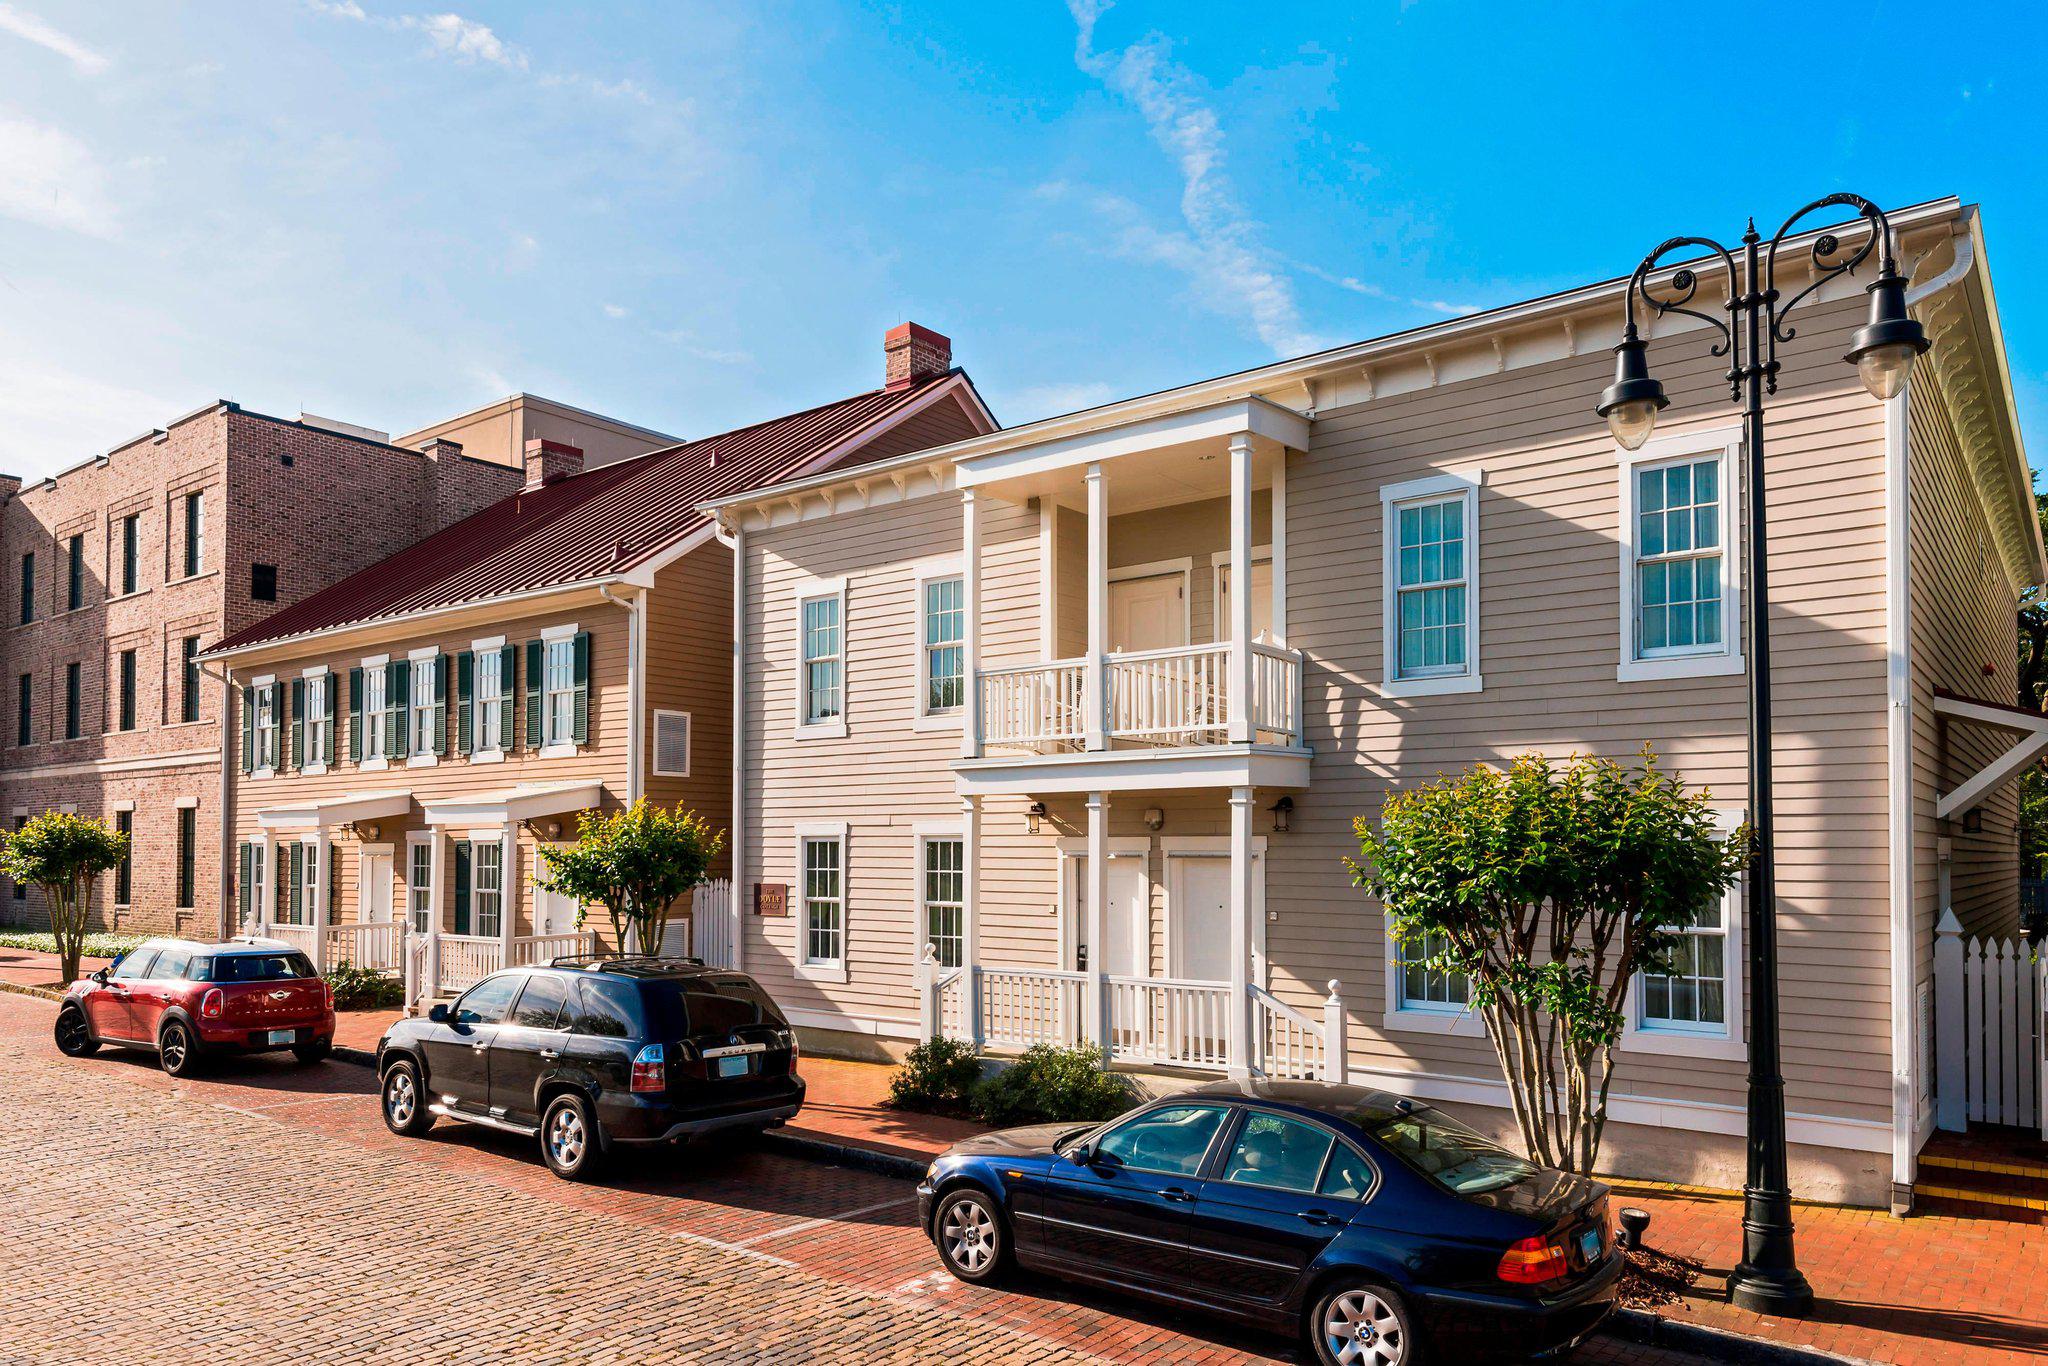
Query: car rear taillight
{"x": 213, "y": 1004}
{"x": 326, "y": 994}
{"x": 1534, "y": 1261}
{"x": 648, "y": 1072}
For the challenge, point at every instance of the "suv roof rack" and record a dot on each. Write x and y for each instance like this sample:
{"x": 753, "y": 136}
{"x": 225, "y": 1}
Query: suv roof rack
{"x": 584, "y": 960}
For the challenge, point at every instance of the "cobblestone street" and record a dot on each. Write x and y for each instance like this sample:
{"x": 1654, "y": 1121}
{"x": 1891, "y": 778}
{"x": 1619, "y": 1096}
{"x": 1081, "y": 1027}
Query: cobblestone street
{"x": 264, "y": 1206}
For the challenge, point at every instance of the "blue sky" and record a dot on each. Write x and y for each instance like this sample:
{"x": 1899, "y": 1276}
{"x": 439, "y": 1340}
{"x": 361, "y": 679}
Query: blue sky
{"x": 699, "y": 215}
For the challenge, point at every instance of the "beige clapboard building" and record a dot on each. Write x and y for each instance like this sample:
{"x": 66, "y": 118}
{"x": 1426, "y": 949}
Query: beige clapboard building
{"x": 1057, "y": 733}
{"x": 407, "y": 739}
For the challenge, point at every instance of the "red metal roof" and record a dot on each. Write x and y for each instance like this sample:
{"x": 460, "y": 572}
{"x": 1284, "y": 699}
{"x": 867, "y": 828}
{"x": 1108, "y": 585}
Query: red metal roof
{"x": 589, "y": 526}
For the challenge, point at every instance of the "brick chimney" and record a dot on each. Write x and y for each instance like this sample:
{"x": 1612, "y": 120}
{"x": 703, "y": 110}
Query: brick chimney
{"x": 441, "y": 448}
{"x": 547, "y": 461}
{"x": 914, "y": 354}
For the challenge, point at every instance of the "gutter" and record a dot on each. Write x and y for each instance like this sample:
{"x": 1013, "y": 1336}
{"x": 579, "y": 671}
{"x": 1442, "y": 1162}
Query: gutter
{"x": 228, "y": 733}
{"x": 735, "y": 540}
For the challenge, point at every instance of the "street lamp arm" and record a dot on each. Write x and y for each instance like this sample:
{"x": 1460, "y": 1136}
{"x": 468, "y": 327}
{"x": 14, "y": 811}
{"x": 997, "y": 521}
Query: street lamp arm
{"x": 1684, "y": 284}
{"x": 1828, "y": 244}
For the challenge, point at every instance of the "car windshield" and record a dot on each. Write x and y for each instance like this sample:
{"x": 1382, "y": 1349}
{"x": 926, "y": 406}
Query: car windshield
{"x": 1459, "y": 1159}
{"x": 252, "y": 967}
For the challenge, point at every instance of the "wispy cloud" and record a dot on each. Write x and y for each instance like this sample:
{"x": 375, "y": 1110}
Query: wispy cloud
{"x": 53, "y": 179}
{"x": 614, "y": 310}
{"x": 31, "y": 29}
{"x": 686, "y": 341}
{"x": 1219, "y": 245}
{"x": 1373, "y": 291}
{"x": 465, "y": 40}
{"x": 473, "y": 43}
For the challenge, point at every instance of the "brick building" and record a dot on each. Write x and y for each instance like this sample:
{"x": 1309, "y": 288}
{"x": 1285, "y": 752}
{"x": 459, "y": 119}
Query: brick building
{"x": 119, "y": 571}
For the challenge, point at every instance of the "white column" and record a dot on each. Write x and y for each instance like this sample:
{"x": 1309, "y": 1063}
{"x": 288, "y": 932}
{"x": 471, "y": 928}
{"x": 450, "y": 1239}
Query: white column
{"x": 437, "y": 863}
{"x": 970, "y": 914}
{"x": 1242, "y": 904}
{"x": 263, "y": 905}
{"x": 736, "y": 845}
{"x": 1279, "y": 540}
{"x": 1241, "y": 728}
{"x": 970, "y": 623}
{"x": 508, "y": 893}
{"x": 317, "y": 892}
{"x": 1095, "y": 706}
{"x": 1095, "y": 1009}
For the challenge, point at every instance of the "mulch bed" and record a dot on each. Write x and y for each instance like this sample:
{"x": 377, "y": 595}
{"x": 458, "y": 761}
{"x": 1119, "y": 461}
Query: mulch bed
{"x": 1653, "y": 1278}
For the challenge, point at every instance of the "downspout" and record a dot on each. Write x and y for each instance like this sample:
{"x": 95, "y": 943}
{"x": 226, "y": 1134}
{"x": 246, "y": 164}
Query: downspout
{"x": 735, "y": 540}
{"x": 1909, "y": 1015}
{"x": 229, "y": 731}
{"x": 636, "y": 661}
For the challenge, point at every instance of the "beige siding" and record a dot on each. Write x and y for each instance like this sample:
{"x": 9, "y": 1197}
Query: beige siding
{"x": 689, "y": 669}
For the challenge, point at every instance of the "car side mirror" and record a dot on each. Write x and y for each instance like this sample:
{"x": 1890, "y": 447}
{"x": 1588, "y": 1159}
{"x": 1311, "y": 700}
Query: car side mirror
{"x": 1081, "y": 1155}
{"x": 99, "y": 975}
{"x": 438, "y": 1013}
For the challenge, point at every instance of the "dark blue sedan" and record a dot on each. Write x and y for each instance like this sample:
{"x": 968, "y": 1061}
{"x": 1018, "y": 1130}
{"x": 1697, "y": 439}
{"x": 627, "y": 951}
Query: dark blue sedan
{"x": 1378, "y": 1227}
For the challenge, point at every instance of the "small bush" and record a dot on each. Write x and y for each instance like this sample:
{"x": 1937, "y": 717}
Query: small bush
{"x": 97, "y": 944}
{"x": 363, "y": 989}
{"x": 1052, "y": 1085}
{"x": 938, "y": 1075}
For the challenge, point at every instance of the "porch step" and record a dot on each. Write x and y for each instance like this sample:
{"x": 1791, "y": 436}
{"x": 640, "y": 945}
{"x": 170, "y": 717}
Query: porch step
{"x": 1986, "y": 1174}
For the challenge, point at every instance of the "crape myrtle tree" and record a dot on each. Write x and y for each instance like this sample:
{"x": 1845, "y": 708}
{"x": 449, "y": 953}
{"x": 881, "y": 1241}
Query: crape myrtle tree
{"x": 63, "y": 854}
{"x": 636, "y": 863}
{"x": 1548, "y": 887}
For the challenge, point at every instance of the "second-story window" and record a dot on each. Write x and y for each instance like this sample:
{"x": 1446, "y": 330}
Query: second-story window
{"x": 375, "y": 706}
{"x": 487, "y": 712}
{"x": 822, "y": 668}
{"x": 24, "y": 710}
{"x": 28, "y": 587}
{"x": 125, "y": 669}
{"x": 427, "y": 707}
{"x": 195, "y": 532}
{"x": 944, "y": 624}
{"x": 74, "y": 700}
{"x": 263, "y": 583}
{"x": 1432, "y": 588}
{"x": 265, "y": 738}
{"x": 559, "y": 699}
{"x": 74, "y": 573}
{"x": 131, "y": 553}
{"x": 188, "y": 709}
{"x": 319, "y": 720}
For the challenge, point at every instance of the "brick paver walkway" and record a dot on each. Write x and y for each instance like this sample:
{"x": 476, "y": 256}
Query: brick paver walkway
{"x": 265, "y": 1207}
{"x": 29, "y": 968}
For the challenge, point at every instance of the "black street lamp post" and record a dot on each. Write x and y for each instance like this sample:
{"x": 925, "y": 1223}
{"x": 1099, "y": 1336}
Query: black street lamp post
{"x": 1768, "y": 1279}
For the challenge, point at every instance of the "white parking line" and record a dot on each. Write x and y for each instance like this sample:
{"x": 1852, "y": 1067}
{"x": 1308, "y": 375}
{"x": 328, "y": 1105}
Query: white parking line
{"x": 724, "y": 1246}
{"x": 808, "y": 1224}
{"x": 284, "y": 1104}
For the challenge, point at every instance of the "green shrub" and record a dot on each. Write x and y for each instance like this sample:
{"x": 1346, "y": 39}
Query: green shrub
{"x": 1052, "y": 1085}
{"x": 364, "y": 989}
{"x": 97, "y": 945}
{"x": 938, "y": 1075}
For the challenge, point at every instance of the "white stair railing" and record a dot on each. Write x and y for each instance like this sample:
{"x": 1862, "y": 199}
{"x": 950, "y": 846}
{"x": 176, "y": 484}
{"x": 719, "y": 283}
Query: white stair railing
{"x": 1288, "y": 1043}
{"x": 466, "y": 959}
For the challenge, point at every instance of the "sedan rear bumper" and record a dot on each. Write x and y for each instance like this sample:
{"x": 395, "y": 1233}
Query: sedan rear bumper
{"x": 1464, "y": 1326}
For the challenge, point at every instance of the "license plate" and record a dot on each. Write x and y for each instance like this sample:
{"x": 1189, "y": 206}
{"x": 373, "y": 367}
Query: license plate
{"x": 284, "y": 1036}
{"x": 1589, "y": 1244}
{"x": 734, "y": 1067}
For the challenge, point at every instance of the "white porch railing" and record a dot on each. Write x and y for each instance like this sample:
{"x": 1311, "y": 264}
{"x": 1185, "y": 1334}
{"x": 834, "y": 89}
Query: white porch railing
{"x": 1178, "y": 1023}
{"x": 1033, "y": 705}
{"x": 304, "y": 938}
{"x": 373, "y": 946}
{"x": 463, "y": 960}
{"x": 540, "y": 948}
{"x": 1991, "y": 1057}
{"x": 1152, "y": 1021}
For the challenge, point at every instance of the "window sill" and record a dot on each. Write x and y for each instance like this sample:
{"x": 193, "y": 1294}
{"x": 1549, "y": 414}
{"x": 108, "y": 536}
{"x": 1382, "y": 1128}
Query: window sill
{"x": 1679, "y": 1043}
{"x": 1431, "y": 687}
{"x": 312, "y": 770}
{"x": 668, "y": 773}
{"x": 1462, "y": 1023}
{"x": 487, "y": 756}
{"x": 262, "y": 773}
{"x": 821, "y": 730}
{"x": 1679, "y": 666}
{"x": 822, "y": 972}
{"x": 123, "y": 597}
{"x": 938, "y": 721}
{"x": 180, "y": 725}
{"x": 375, "y": 764}
{"x": 422, "y": 760}
{"x": 192, "y": 578}
{"x": 558, "y": 751}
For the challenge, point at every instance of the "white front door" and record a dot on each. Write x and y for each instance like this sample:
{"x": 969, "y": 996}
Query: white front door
{"x": 1198, "y": 914}
{"x": 1129, "y": 920}
{"x": 1149, "y": 613}
{"x": 374, "y": 887}
{"x": 1262, "y": 600}
{"x": 554, "y": 913}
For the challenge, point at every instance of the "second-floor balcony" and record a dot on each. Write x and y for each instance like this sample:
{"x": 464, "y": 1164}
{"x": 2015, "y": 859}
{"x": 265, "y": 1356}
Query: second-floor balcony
{"x": 1162, "y": 665}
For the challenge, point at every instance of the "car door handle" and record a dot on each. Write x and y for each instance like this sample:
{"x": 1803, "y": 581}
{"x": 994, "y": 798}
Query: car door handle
{"x": 478, "y": 1047}
{"x": 1176, "y": 1194}
{"x": 1320, "y": 1218}
{"x": 550, "y": 1054}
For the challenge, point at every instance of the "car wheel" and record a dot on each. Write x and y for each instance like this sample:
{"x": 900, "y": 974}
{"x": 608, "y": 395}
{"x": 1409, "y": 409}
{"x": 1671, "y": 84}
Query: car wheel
{"x": 1361, "y": 1324}
{"x": 973, "y": 1240}
{"x": 404, "y": 1102}
{"x": 177, "y": 1050}
{"x": 568, "y": 1139}
{"x": 74, "y": 1039}
{"x": 313, "y": 1052}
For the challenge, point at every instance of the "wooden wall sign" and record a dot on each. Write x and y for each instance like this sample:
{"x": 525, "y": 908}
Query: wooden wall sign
{"x": 771, "y": 898}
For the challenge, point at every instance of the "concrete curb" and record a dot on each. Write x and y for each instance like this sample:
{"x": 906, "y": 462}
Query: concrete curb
{"x": 1717, "y": 1344}
{"x": 354, "y": 1057}
{"x": 844, "y": 1155}
{"x": 45, "y": 993}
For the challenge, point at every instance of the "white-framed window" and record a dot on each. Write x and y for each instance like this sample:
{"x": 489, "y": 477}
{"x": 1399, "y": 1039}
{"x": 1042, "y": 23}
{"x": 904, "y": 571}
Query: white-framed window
{"x": 1430, "y": 617}
{"x": 558, "y": 691}
{"x": 419, "y": 884}
{"x": 1695, "y": 1010}
{"x": 1680, "y": 569}
{"x": 375, "y": 707}
{"x": 821, "y": 660}
{"x": 821, "y": 900}
{"x": 486, "y": 715}
{"x": 489, "y": 875}
{"x": 317, "y": 724}
{"x": 267, "y": 729}
{"x": 941, "y": 645}
{"x": 259, "y": 880}
{"x": 1425, "y": 1000}
{"x": 671, "y": 744}
{"x": 423, "y": 723}
{"x": 942, "y": 892}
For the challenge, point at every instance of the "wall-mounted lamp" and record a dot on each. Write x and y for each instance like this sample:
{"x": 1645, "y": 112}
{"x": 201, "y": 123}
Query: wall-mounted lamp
{"x": 1283, "y": 814}
{"x": 1154, "y": 818}
{"x": 1033, "y": 814}
{"x": 1973, "y": 821}
{"x": 369, "y": 832}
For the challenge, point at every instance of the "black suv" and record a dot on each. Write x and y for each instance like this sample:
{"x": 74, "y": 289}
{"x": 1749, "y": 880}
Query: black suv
{"x": 596, "y": 1051}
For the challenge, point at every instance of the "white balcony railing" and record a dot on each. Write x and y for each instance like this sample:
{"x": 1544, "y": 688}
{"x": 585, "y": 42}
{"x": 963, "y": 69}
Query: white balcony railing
{"x": 1276, "y": 693}
{"x": 1033, "y": 706}
{"x": 1177, "y": 696}
{"x": 1177, "y": 1023}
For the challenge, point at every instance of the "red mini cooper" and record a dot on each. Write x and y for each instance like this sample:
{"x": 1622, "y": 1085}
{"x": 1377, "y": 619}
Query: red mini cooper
{"x": 188, "y": 1001}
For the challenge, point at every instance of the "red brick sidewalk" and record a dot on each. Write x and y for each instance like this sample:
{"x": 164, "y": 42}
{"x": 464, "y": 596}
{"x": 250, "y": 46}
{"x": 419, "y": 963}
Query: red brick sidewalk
{"x": 31, "y": 968}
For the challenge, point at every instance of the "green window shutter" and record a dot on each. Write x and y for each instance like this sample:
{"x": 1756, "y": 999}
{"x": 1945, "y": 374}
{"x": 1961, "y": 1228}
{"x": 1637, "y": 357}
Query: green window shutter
{"x": 333, "y": 868}
{"x": 462, "y": 886}
{"x": 298, "y": 881}
{"x": 580, "y": 727}
{"x": 465, "y": 704}
{"x": 333, "y": 706}
{"x": 245, "y": 852}
{"x": 440, "y": 703}
{"x": 397, "y": 684}
{"x": 298, "y": 723}
{"x": 277, "y": 722}
{"x": 535, "y": 682}
{"x": 355, "y": 716}
{"x": 248, "y": 731}
{"x": 503, "y": 701}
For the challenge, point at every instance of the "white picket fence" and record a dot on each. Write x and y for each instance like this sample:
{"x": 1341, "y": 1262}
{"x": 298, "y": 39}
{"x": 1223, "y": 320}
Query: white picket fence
{"x": 1991, "y": 1057}
{"x": 711, "y": 924}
